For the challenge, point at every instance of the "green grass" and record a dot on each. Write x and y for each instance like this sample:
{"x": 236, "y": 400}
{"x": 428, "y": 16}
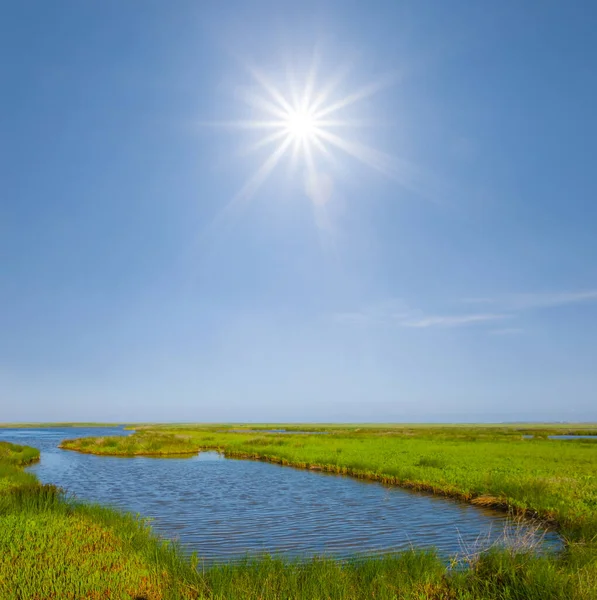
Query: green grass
{"x": 12, "y": 458}
{"x": 13, "y": 454}
{"x": 141, "y": 444}
{"x": 54, "y": 547}
{"x": 554, "y": 480}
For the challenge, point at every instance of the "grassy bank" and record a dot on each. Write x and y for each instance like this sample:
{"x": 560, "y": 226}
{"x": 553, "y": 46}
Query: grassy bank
{"x": 53, "y": 547}
{"x": 554, "y": 480}
{"x": 12, "y": 460}
{"x": 50, "y": 548}
{"x": 142, "y": 444}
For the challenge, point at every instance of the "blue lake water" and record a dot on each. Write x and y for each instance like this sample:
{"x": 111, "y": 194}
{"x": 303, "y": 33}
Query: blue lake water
{"x": 223, "y": 509}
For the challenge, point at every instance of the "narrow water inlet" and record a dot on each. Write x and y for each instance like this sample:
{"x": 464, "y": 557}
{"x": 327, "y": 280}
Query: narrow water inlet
{"x": 224, "y": 509}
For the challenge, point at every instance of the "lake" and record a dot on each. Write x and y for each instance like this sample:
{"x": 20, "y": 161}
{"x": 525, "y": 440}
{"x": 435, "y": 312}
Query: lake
{"x": 224, "y": 508}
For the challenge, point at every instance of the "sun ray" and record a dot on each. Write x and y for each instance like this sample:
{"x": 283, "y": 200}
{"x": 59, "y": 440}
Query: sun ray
{"x": 310, "y": 84}
{"x": 246, "y": 124}
{"x": 329, "y": 89}
{"x": 266, "y": 141}
{"x": 404, "y": 172}
{"x": 362, "y": 94}
{"x": 373, "y": 158}
{"x": 267, "y": 106}
{"x": 274, "y": 93}
{"x": 347, "y": 123}
{"x": 308, "y": 124}
{"x": 260, "y": 176}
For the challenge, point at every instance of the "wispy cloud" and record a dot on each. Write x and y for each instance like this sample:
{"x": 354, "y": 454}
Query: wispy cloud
{"x": 404, "y": 317}
{"x": 508, "y": 306}
{"x": 454, "y": 320}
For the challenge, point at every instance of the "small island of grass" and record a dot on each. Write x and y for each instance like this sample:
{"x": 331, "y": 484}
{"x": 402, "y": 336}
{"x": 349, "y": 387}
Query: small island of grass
{"x": 138, "y": 444}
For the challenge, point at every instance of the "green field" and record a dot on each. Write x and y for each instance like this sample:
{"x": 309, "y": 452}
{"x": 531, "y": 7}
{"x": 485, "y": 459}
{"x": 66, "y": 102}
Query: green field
{"x": 115, "y": 556}
{"x": 155, "y": 444}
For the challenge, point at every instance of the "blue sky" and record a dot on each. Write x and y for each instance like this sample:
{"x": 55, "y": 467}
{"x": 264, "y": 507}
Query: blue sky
{"x": 437, "y": 262}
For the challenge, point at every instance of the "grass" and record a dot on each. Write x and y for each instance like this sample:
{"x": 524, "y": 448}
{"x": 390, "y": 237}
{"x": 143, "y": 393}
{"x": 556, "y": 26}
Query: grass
{"x": 142, "y": 444}
{"x": 15, "y": 455}
{"x": 12, "y": 458}
{"x": 54, "y": 547}
{"x": 553, "y": 480}
{"x": 51, "y": 547}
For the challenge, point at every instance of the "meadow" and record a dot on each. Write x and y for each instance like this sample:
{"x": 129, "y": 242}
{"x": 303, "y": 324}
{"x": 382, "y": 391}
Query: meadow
{"x": 109, "y": 555}
{"x": 156, "y": 444}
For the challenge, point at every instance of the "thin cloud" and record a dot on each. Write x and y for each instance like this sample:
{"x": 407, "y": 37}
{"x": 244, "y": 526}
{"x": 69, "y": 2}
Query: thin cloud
{"x": 454, "y": 320}
{"x": 508, "y": 306}
{"x": 413, "y": 319}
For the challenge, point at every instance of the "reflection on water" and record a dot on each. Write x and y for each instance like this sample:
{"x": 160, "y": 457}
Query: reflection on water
{"x": 225, "y": 508}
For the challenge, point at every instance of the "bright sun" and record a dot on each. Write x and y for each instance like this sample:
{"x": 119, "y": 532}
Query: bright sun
{"x": 308, "y": 124}
{"x": 301, "y": 125}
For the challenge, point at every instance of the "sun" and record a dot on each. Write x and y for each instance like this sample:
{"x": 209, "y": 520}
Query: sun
{"x": 311, "y": 124}
{"x": 301, "y": 125}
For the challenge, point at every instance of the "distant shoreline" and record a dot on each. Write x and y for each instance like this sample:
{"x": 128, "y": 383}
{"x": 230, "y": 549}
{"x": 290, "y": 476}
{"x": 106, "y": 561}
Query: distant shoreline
{"x": 306, "y": 425}
{"x": 50, "y": 425}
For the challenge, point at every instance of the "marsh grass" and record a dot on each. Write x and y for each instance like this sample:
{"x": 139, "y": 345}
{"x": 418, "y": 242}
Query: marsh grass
{"x": 52, "y": 546}
{"x": 493, "y": 467}
{"x": 140, "y": 444}
{"x": 518, "y": 536}
{"x": 13, "y": 454}
{"x": 12, "y": 458}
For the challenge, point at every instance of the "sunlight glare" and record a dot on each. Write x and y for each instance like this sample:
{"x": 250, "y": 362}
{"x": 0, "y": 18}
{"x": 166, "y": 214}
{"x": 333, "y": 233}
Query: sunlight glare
{"x": 305, "y": 123}
{"x": 301, "y": 125}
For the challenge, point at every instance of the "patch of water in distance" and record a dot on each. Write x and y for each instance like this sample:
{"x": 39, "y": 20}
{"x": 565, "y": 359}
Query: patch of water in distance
{"x": 564, "y": 437}
{"x": 284, "y": 431}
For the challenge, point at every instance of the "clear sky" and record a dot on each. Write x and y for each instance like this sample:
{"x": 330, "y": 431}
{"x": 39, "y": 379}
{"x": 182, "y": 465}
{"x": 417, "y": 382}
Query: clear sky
{"x": 298, "y": 211}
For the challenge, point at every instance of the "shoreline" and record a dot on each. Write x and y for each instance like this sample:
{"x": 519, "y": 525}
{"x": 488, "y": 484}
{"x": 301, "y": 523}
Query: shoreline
{"x": 137, "y": 562}
{"x": 480, "y": 500}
